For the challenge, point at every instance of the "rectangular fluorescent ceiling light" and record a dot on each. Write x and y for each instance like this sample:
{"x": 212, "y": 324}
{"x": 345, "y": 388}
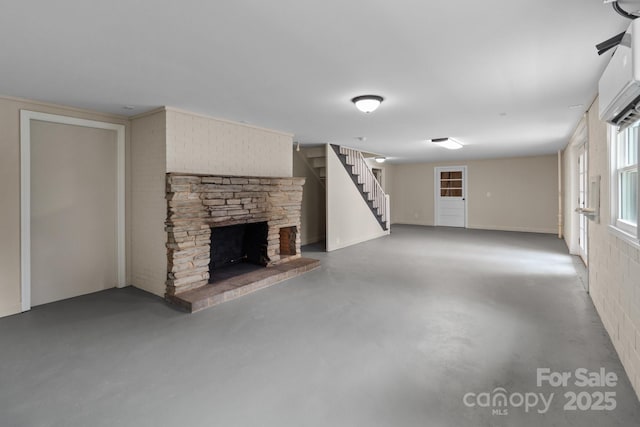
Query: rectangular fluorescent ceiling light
{"x": 448, "y": 143}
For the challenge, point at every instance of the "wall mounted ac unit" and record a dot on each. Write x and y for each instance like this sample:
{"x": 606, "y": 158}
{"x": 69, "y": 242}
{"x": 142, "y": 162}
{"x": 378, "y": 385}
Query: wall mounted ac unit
{"x": 619, "y": 86}
{"x": 631, "y": 6}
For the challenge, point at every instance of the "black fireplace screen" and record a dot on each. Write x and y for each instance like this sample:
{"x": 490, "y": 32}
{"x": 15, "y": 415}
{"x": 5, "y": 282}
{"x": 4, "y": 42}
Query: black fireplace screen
{"x": 239, "y": 243}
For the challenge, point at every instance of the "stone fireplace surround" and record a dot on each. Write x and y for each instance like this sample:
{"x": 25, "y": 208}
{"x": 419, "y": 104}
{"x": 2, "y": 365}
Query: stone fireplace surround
{"x": 198, "y": 203}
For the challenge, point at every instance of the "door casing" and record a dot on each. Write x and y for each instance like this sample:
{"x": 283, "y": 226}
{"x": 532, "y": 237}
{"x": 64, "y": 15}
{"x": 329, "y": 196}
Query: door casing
{"x": 25, "y": 193}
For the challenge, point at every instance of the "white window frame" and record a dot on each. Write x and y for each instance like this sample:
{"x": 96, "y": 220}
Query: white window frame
{"x": 617, "y": 226}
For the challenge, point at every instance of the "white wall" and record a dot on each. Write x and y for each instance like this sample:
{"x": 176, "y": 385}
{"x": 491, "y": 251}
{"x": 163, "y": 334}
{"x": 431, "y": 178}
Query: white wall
{"x": 515, "y": 194}
{"x": 349, "y": 219}
{"x": 199, "y": 144}
{"x": 10, "y": 189}
{"x": 614, "y": 264}
{"x": 314, "y": 207}
{"x": 148, "y": 204}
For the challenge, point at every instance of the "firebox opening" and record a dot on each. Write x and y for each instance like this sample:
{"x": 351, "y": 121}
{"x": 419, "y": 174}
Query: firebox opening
{"x": 237, "y": 249}
{"x": 288, "y": 237}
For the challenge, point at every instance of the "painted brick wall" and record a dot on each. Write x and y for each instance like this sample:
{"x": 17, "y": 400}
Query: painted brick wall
{"x": 197, "y": 144}
{"x": 614, "y": 265}
{"x": 149, "y": 207}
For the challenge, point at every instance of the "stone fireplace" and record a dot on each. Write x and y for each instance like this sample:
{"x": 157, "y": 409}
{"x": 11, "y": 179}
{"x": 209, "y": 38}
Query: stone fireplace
{"x": 222, "y": 228}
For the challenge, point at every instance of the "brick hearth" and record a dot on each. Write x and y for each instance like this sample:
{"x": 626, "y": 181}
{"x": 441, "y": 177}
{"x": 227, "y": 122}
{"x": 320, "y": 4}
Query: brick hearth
{"x": 196, "y": 203}
{"x": 235, "y": 287}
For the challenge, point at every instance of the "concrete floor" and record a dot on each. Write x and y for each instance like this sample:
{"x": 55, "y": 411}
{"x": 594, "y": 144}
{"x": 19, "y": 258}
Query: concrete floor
{"x": 392, "y": 332}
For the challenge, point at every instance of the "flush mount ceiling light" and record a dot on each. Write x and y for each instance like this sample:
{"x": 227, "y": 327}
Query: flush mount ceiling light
{"x": 367, "y": 103}
{"x": 448, "y": 143}
{"x": 380, "y": 159}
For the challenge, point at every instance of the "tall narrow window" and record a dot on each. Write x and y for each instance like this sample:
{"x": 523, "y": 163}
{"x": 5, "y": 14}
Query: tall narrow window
{"x": 625, "y": 160}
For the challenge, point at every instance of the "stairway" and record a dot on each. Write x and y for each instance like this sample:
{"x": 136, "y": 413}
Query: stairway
{"x": 316, "y": 157}
{"x": 366, "y": 182}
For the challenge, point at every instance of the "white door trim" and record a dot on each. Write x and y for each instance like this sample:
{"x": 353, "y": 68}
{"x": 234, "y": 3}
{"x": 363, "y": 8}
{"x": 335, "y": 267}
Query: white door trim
{"x": 436, "y": 191}
{"x": 583, "y": 240}
{"x": 579, "y": 139}
{"x": 25, "y": 193}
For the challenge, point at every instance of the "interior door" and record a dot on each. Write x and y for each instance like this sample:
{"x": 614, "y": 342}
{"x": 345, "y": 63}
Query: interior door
{"x": 583, "y": 222}
{"x": 450, "y": 190}
{"x": 73, "y": 211}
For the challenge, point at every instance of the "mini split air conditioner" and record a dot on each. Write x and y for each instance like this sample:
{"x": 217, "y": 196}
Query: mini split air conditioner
{"x": 619, "y": 87}
{"x": 631, "y": 6}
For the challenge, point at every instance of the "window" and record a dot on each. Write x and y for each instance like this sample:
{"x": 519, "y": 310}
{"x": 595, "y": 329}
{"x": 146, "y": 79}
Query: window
{"x": 625, "y": 180}
{"x": 451, "y": 184}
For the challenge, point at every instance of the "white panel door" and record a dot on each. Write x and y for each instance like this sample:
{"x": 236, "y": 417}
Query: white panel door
{"x": 450, "y": 192}
{"x": 73, "y": 211}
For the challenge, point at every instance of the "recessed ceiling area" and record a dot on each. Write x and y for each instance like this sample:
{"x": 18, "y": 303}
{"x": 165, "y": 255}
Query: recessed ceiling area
{"x": 503, "y": 78}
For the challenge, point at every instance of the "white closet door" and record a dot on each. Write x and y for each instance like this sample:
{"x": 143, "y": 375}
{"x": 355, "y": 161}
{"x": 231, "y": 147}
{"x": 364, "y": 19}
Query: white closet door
{"x": 73, "y": 211}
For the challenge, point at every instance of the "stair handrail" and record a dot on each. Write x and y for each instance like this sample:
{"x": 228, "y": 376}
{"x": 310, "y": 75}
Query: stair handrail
{"x": 369, "y": 181}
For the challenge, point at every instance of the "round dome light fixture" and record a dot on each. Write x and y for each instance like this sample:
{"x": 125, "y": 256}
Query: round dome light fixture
{"x": 379, "y": 159}
{"x": 367, "y": 103}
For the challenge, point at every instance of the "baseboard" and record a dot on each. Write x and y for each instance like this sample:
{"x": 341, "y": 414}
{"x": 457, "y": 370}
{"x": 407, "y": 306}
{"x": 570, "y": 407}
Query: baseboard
{"x": 10, "y": 310}
{"x": 158, "y": 290}
{"x": 518, "y": 229}
{"x": 409, "y": 222}
{"x": 342, "y": 245}
{"x": 314, "y": 239}
{"x": 488, "y": 227}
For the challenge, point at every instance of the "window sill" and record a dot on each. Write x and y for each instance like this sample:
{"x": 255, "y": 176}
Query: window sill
{"x": 632, "y": 240}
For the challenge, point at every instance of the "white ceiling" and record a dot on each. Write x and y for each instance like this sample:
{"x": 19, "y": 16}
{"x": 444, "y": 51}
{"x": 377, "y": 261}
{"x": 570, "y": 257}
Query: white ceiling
{"x": 445, "y": 68}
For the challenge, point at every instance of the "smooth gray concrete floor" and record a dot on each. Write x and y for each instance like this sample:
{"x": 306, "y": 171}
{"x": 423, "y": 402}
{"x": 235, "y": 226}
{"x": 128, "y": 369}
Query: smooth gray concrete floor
{"x": 392, "y": 332}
